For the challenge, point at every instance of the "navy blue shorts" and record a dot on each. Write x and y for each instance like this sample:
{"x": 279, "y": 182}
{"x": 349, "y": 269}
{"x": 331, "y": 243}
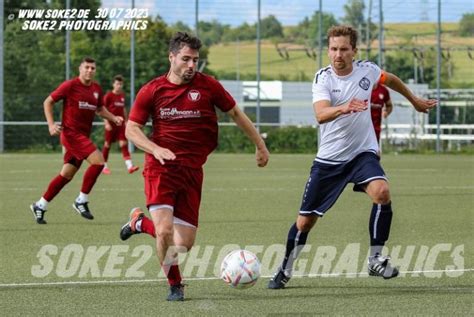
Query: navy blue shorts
{"x": 326, "y": 182}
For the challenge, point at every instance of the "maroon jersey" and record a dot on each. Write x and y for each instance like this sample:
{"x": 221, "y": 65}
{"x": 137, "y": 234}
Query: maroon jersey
{"x": 380, "y": 96}
{"x": 183, "y": 116}
{"x": 80, "y": 105}
{"x": 115, "y": 103}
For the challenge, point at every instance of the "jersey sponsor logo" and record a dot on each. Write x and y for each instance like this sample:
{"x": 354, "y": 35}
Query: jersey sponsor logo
{"x": 194, "y": 95}
{"x": 119, "y": 104}
{"x": 173, "y": 113}
{"x": 364, "y": 83}
{"x": 86, "y": 105}
{"x": 96, "y": 95}
{"x": 336, "y": 90}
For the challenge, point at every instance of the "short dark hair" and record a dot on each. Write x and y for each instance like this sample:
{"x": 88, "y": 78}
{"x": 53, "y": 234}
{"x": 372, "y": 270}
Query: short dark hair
{"x": 181, "y": 39}
{"x": 344, "y": 30}
{"x": 118, "y": 78}
{"x": 87, "y": 59}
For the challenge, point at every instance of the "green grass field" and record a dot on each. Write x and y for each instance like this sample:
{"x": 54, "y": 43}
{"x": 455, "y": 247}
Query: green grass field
{"x": 89, "y": 271}
{"x": 242, "y": 57}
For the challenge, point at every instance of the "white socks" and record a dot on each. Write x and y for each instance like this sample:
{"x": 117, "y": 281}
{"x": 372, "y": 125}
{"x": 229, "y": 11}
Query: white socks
{"x": 42, "y": 203}
{"x": 129, "y": 164}
{"x": 82, "y": 198}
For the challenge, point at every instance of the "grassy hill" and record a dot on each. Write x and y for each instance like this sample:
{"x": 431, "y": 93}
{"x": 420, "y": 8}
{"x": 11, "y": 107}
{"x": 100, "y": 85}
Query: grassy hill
{"x": 231, "y": 60}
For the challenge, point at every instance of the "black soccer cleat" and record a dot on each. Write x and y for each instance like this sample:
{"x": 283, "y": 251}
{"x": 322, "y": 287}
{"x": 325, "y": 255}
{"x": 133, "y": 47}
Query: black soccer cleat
{"x": 129, "y": 228}
{"x": 176, "y": 293}
{"x": 279, "y": 280}
{"x": 38, "y": 213}
{"x": 378, "y": 266}
{"x": 83, "y": 210}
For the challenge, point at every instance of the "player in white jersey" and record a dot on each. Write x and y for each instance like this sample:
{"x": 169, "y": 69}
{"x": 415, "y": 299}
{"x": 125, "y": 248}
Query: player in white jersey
{"x": 348, "y": 150}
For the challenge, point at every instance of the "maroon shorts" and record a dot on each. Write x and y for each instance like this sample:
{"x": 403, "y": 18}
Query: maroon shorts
{"x": 116, "y": 134}
{"x": 78, "y": 148}
{"x": 176, "y": 186}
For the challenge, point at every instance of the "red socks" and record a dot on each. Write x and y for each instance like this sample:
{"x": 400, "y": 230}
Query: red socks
{"x": 55, "y": 187}
{"x": 105, "y": 152}
{"x": 90, "y": 177}
{"x": 174, "y": 276}
{"x": 125, "y": 152}
{"x": 148, "y": 227}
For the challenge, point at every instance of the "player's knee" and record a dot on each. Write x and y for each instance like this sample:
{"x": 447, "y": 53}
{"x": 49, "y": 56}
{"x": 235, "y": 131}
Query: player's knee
{"x": 106, "y": 144}
{"x": 305, "y": 223}
{"x": 164, "y": 232}
{"x": 382, "y": 194}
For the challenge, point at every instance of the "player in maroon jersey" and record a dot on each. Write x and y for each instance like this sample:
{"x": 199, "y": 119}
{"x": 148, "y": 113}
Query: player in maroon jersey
{"x": 82, "y": 99}
{"x": 381, "y": 106}
{"x": 114, "y": 101}
{"x": 182, "y": 105}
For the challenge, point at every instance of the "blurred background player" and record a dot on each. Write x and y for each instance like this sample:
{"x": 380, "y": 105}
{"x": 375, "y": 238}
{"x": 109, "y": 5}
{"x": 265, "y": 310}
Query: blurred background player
{"x": 182, "y": 105}
{"x": 347, "y": 152}
{"x": 82, "y": 99}
{"x": 380, "y": 107}
{"x": 114, "y": 101}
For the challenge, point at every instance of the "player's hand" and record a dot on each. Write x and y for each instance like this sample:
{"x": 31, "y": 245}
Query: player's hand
{"x": 424, "y": 105}
{"x": 384, "y": 114}
{"x": 162, "y": 154}
{"x": 108, "y": 126}
{"x": 118, "y": 121}
{"x": 262, "y": 155}
{"x": 55, "y": 129}
{"x": 355, "y": 105}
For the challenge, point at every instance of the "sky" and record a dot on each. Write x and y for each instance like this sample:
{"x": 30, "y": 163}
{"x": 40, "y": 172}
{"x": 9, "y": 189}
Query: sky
{"x": 290, "y": 12}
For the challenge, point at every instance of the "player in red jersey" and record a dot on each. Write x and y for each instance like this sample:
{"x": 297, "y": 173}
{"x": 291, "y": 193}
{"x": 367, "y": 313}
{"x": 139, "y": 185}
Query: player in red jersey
{"x": 114, "y": 101}
{"x": 381, "y": 106}
{"x": 82, "y": 99}
{"x": 182, "y": 105}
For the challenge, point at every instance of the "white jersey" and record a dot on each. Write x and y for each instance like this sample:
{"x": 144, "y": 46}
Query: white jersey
{"x": 349, "y": 134}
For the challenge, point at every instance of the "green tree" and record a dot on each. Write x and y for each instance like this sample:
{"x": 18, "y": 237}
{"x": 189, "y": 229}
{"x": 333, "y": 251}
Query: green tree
{"x": 354, "y": 16}
{"x": 307, "y": 31}
{"x": 211, "y": 32}
{"x": 466, "y": 25}
{"x": 270, "y": 27}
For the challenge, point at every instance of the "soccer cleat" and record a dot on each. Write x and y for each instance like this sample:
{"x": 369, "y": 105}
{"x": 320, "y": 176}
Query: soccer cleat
{"x": 279, "y": 280}
{"x": 378, "y": 266}
{"x": 38, "y": 213}
{"x": 133, "y": 169}
{"x": 106, "y": 171}
{"x": 83, "y": 210}
{"x": 176, "y": 293}
{"x": 129, "y": 228}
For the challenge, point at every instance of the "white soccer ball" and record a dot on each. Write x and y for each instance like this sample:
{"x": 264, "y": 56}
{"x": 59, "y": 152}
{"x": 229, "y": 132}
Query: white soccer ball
{"x": 240, "y": 269}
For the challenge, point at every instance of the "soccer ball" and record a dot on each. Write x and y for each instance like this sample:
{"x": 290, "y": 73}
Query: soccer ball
{"x": 240, "y": 269}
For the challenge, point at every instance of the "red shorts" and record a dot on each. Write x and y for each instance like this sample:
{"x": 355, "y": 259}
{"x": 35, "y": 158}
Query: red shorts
{"x": 177, "y": 186}
{"x": 116, "y": 134}
{"x": 78, "y": 148}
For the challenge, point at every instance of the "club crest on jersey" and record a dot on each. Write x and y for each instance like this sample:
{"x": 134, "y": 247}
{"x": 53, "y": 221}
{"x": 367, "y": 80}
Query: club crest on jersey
{"x": 194, "y": 95}
{"x": 96, "y": 95}
{"x": 364, "y": 83}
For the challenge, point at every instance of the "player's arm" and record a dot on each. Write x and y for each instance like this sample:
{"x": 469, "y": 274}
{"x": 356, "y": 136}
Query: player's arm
{"x": 246, "y": 125}
{"x": 420, "y": 104}
{"x": 388, "y": 108}
{"x": 106, "y": 114}
{"x": 48, "y": 105}
{"x": 134, "y": 133}
{"x": 325, "y": 112}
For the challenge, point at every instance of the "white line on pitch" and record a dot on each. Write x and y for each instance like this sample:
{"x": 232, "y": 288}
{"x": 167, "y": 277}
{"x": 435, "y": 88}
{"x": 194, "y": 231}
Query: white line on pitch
{"x": 105, "y": 282}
